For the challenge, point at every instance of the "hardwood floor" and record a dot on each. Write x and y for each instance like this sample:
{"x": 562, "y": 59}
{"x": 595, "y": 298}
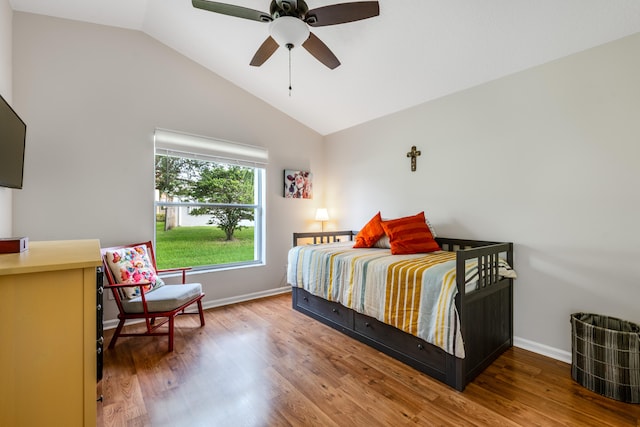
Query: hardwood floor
{"x": 260, "y": 363}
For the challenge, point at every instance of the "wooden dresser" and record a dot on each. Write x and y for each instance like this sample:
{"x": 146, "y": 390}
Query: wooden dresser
{"x": 48, "y": 334}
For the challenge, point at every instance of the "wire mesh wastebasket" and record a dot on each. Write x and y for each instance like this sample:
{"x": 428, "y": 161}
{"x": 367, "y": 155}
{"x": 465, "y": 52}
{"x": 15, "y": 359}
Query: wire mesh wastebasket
{"x": 606, "y": 356}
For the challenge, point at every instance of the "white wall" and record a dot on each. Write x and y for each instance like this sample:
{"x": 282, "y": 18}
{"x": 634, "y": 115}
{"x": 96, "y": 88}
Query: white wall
{"x": 547, "y": 158}
{"x": 92, "y": 96}
{"x": 6, "y": 27}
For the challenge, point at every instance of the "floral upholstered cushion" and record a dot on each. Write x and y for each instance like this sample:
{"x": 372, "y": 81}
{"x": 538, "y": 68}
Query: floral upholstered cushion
{"x": 131, "y": 266}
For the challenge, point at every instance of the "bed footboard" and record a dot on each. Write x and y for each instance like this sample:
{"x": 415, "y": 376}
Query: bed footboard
{"x": 486, "y": 314}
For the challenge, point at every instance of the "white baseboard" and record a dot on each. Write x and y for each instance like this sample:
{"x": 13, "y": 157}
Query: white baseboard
{"x": 111, "y": 324}
{"x": 545, "y": 350}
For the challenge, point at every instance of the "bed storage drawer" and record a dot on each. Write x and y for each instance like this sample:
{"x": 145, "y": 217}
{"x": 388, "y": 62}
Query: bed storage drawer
{"x": 398, "y": 340}
{"x": 332, "y": 311}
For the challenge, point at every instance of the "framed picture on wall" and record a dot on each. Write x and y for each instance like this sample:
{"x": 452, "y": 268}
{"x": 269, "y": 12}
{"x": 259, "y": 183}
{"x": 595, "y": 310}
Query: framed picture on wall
{"x": 298, "y": 184}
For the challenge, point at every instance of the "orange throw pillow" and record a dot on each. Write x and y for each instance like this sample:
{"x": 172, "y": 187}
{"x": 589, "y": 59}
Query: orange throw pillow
{"x": 410, "y": 235}
{"x": 370, "y": 233}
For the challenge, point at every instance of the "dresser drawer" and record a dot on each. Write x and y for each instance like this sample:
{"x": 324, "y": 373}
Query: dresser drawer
{"x": 332, "y": 311}
{"x": 397, "y": 340}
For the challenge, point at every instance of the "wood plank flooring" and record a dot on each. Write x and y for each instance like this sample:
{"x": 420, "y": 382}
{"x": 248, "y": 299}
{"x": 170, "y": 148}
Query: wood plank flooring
{"x": 260, "y": 363}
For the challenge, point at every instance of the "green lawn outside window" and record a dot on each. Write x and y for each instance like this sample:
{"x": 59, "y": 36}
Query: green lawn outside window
{"x": 201, "y": 245}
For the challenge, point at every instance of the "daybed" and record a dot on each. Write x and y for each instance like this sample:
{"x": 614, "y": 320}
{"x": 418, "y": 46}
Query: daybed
{"x": 482, "y": 328}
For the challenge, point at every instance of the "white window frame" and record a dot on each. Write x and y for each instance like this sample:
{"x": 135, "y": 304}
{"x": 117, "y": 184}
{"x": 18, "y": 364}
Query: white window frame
{"x": 196, "y": 147}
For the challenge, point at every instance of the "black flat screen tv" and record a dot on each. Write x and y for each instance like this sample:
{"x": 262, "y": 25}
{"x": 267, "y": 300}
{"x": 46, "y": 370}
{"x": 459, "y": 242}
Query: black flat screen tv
{"x": 12, "y": 138}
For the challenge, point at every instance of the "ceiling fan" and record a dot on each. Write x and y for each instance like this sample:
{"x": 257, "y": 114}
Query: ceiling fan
{"x": 289, "y": 22}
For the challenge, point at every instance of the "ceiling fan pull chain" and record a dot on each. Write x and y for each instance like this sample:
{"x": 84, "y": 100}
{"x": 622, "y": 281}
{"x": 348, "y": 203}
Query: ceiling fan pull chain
{"x": 289, "y": 46}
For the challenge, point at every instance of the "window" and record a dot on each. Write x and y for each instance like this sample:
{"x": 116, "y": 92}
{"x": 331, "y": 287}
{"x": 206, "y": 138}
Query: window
{"x": 209, "y": 202}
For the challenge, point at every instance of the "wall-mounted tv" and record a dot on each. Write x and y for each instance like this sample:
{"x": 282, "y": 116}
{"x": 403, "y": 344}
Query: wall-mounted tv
{"x": 12, "y": 137}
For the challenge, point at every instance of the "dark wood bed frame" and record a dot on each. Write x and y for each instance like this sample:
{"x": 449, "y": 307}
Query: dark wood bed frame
{"x": 486, "y": 314}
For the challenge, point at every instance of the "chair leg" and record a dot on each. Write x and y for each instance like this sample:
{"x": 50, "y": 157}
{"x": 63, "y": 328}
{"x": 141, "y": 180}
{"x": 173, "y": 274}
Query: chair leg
{"x": 171, "y": 320}
{"x": 201, "y": 313}
{"x": 112, "y": 343}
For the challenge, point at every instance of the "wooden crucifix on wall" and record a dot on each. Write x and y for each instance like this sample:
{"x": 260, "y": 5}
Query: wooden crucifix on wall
{"x": 414, "y": 155}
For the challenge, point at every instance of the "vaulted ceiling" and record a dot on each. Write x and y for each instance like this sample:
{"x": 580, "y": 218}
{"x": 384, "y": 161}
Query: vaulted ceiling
{"x": 413, "y": 52}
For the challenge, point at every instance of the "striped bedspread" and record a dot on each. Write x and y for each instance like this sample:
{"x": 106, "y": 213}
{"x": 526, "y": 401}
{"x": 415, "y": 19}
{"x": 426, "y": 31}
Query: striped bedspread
{"x": 414, "y": 293}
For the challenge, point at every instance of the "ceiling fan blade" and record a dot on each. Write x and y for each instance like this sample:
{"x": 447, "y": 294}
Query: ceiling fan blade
{"x": 264, "y": 52}
{"x": 320, "y": 51}
{"x": 342, "y": 12}
{"x": 232, "y": 10}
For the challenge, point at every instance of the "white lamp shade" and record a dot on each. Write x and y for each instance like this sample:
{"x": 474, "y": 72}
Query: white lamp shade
{"x": 289, "y": 30}
{"x": 322, "y": 215}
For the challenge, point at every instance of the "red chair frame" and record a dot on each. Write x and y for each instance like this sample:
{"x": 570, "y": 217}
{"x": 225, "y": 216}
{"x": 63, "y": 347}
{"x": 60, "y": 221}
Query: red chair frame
{"x": 148, "y": 316}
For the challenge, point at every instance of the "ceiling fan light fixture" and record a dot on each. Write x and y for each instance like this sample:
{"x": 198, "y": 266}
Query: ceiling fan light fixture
{"x": 290, "y": 21}
{"x": 288, "y": 30}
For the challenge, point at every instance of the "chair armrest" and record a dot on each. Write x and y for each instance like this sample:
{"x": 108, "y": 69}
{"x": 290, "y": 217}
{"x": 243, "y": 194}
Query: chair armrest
{"x": 128, "y": 285}
{"x": 182, "y": 269}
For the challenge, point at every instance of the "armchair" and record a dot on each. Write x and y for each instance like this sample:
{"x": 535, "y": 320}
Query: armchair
{"x": 139, "y": 293}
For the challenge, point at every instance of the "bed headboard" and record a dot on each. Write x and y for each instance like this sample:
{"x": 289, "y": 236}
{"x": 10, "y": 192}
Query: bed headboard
{"x": 324, "y": 237}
